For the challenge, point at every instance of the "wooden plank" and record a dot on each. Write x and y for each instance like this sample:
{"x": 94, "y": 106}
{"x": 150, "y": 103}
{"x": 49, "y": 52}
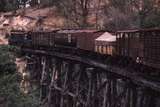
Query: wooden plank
{"x": 135, "y": 77}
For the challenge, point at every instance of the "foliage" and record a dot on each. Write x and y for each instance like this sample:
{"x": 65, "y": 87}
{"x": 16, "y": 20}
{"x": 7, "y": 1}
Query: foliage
{"x": 10, "y": 94}
{"x": 130, "y": 14}
{"x": 8, "y": 5}
{"x": 2, "y": 5}
{"x": 75, "y": 11}
{"x": 33, "y": 3}
{"x": 7, "y": 60}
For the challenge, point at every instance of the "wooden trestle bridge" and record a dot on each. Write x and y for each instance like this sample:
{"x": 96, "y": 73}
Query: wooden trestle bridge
{"x": 78, "y": 78}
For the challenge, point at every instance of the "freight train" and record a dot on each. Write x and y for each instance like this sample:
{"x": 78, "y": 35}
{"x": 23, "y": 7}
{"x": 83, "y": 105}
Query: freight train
{"x": 82, "y": 39}
{"x": 142, "y": 46}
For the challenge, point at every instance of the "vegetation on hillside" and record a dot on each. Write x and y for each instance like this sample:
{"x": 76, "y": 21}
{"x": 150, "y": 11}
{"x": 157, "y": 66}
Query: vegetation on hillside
{"x": 10, "y": 94}
{"x": 108, "y": 14}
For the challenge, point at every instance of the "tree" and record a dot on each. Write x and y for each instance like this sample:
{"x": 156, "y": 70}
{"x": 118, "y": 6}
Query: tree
{"x": 46, "y": 3}
{"x": 130, "y": 14}
{"x": 120, "y": 15}
{"x": 7, "y": 59}
{"x": 75, "y": 11}
{"x": 10, "y": 94}
{"x": 9, "y": 5}
{"x": 2, "y": 5}
{"x": 33, "y": 3}
{"x": 23, "y": 2}
{"x": 149, "y": 13}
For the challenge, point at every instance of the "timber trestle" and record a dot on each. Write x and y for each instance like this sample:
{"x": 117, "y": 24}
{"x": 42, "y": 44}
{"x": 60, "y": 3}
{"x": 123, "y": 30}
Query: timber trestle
{"x": 84, "y": 79}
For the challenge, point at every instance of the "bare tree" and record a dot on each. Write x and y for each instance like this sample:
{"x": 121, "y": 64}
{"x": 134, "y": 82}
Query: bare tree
{"x": 75, "y": 11}
{"x": 130, "y": 14}
{"x": 121, "y": 14}
{"x": 33, "y": 3}
{"x": 148, "y": 12}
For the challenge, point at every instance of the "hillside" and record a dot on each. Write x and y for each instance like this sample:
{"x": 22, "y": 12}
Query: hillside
{"x": 27, "y": 19}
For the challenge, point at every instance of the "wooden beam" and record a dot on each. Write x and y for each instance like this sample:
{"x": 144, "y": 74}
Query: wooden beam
{"x": 134, "y": 76}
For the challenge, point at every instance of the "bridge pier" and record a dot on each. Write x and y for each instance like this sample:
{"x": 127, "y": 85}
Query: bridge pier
{"x": 38, "y": 69}
{"x": 25, "y": 85}
{"x": 45, "y": 79}
{"x": 51, "y": 86}
{"x": 54, "y": 93}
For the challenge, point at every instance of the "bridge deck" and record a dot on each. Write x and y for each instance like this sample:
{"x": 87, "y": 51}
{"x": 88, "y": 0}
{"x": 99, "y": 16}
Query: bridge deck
{"x": 136, "y": 77}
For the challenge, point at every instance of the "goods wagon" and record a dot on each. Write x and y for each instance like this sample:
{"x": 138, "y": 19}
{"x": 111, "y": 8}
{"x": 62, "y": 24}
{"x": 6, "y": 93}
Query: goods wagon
{"x": 151, "y": 41}
{"x": 129, "y": 43}
{"x": 51, "y": 39}
{"x": 141, "y": 45}
{"x": 64, "y": 39}
{"x": 106, "y": 44}
{"x": 81, "y": 39}
{"x": 42, "y": 39}
{"x": 19, "y": 38}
